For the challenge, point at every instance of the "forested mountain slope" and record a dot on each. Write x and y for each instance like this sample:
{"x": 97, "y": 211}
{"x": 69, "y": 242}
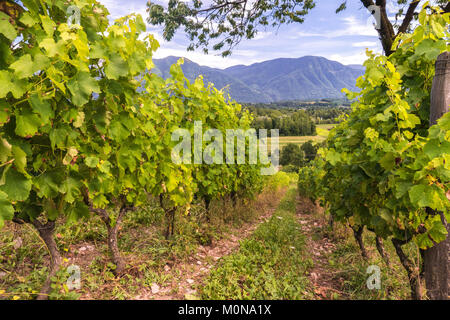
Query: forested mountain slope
{"x": 303, "y": 78}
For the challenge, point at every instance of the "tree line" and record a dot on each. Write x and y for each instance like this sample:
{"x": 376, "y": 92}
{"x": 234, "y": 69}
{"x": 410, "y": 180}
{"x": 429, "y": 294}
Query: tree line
{"x": 289, "y": 122}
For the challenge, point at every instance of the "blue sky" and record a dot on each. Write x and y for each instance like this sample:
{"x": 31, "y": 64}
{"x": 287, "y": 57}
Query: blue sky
{"x": 341, "y": 37}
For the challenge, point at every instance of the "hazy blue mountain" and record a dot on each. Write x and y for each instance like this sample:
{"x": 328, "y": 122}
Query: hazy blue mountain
{"x": 305, "y": 78}
{"x": 357, "y": 67}
{"x": 238, "y": 90}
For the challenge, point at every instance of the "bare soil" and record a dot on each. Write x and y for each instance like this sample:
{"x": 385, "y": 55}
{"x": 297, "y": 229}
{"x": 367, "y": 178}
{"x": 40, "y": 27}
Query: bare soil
{"x": 185, "y": 276}
{"x": 193, "y": 272}
{"x": 312, "y": 219}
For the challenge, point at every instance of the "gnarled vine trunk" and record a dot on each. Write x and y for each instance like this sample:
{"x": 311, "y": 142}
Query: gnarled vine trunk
{"x": 233, "y": 197}
{"x": 358, "y": 232}
{"x": 113, "y": 242}
{"x": 46, "y": 231}
{"x": 381, "y": 250}
{"x": 113, "y": 230}
{"x": 331, "y": 221}
{"x": 207, "y": 203}
{"x": 170, "y": 217}
{"x": 415, "y": 275}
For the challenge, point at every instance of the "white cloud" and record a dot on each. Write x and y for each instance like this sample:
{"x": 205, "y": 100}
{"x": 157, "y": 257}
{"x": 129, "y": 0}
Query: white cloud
{"x": 357, "y": 58}
{"x": 365, "y": 44}
{"x": 306, "y": 34}
{"x": 115, "y": 9}
{"x": 262, "y": 35}
{"x": 392, "y": 7}
{"x": 350, "y": 26}
{"x": 119, "y": 9}
{"x": 357, "y": 27}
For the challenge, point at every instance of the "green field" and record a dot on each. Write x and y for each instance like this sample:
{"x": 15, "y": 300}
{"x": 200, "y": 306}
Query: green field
{"x": 326, "y": 126}
{"x": 283, "y": 141}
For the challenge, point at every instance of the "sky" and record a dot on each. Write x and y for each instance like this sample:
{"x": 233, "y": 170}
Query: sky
{"x": 341, "y": 37}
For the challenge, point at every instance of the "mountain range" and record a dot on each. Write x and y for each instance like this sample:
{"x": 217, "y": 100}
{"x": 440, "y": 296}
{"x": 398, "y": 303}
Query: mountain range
{"x": 305, "y": 78}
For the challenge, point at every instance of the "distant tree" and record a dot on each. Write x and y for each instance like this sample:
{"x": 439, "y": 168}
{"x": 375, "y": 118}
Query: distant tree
{"x": 268, "y": 123}
{"x": 290, "y": 168}
{"x": 309, "y": 150}
{"x": 291, "y": 154}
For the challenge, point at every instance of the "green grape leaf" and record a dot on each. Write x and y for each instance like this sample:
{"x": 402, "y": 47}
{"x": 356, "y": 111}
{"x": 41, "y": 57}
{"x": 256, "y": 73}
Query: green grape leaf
{"x": 438, "y": 232}
{"x": 27, "y": 19}
{"x": 7, "y": 29}
{"x": 77, "y": 212}
{"x": 48, "y": 183}
{"x": 23, "y": 67}
{"x": 20, "y": 159}
{"x": 50, "y": 46}
{"x": 27, "y": 123}
{"x": 42, "y": 107}
{"x": 48, "y": 25}
{"x": 425, "y": 196}
{"x": 16, "y": 186}
{"x": 91, "y": 162}
{"x": 6, "y": 209}
{"x": 435, "y": 149}
{"x": 50, "y": 209}
{"x": 81, "y": 86}
{"x": 71, "y": 189}
{"x": 116, "y": 67}
{"x": 5, "y": 150}
{"x": 5, "y": 83}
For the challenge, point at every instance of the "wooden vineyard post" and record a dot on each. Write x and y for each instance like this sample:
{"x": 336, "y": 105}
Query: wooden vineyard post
{"x": 437, "y": 259}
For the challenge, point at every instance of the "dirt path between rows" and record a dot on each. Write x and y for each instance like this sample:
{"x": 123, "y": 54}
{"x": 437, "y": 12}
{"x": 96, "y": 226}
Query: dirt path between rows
{"x": 191, "y": 274}
{"x": 319, "y": 246}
